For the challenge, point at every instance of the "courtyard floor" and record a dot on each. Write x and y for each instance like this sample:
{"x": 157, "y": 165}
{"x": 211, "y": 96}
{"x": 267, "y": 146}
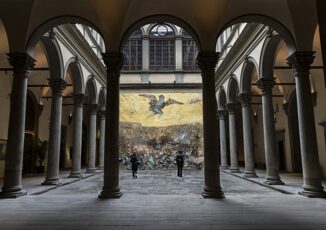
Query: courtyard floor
{"x": 160, "y": 200}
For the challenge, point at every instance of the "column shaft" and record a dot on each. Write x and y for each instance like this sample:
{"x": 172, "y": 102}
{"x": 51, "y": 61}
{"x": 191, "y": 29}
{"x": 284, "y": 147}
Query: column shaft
{"x": 223, "y": 142}
{"x": 247, "y": 137}
{"x": 272, "y": 157}
{"x": 212, "y": 189}
{"x": 114, "y": 63}
{"x": 102, "y": 139}
{"x": 234, "y": 168}
{"x": 77, "y": 136}
{"x": 92, "y": 139}
{"x": 12, "y": 187}
{"x": 52, "y": 176}
{"x": 312, "y": 187}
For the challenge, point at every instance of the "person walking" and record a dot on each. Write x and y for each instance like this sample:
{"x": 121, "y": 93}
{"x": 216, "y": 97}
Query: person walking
{"x": 134, "y": 164}
{"x": 180, "y": 161}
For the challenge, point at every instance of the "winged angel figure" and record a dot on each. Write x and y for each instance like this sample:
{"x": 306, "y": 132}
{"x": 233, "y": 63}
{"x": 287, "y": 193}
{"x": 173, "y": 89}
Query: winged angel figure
{"x": 156, "y": 106}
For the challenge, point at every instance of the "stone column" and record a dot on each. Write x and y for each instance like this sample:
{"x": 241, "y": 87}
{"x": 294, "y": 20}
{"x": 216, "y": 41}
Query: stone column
{"x": 12, "y": 187}
{"x": 92, "y": 139}
{"x": 57, "y": 86}
{"x": 249, "y": 172}
{"x": 102, "y": 139}
{"x": 114, "y": 63}
{"x": 223, "y": 142}
{"x": 271, "y": 155}
{"x": 234, "y": 168}
{"x": 145, "y": 53}
{"x": 300, "y": 63}
{"x": 178, "y": 53}
{"x": 207, "y": 63}
{"x": 77, "y": 136}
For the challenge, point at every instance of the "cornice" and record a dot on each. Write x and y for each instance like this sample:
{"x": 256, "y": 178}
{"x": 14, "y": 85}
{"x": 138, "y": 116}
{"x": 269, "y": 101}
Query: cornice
{"x": 250, "y": 37}
{"x": 73, "y": 40}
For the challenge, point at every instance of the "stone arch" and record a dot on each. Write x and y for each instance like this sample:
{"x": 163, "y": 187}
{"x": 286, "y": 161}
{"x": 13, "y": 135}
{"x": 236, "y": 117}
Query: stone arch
{"x": 47, "y": 25}
{"x": 267, "y": 56}
{"x": 221, "y": 99}
{"x": 175, "y": 30}
{"x": 54, "y": 57}
{"x": 282, "y": 30}
{"x": 160, "y": 18}
{"x": 91, "y": 90}
{"x": 4, "y": 44}
{"x": 102, "y": 99}
{"x": 76, "y": 73}
{"x": 293, "y": 123}
{"x": 248, "y": 67}
{"x": 232, "y": 90}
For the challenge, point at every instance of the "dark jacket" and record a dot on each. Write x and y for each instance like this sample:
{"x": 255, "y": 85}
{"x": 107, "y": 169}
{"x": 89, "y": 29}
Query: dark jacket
{"x": 134, "y": 160}
{"x": 179, "y": 160}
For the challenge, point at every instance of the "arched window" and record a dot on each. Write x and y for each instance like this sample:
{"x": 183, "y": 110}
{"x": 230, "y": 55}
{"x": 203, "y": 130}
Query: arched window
{"x": 189, "y": 53}
{"x": 162, "y": 48}
{"x": 133, "y": 52}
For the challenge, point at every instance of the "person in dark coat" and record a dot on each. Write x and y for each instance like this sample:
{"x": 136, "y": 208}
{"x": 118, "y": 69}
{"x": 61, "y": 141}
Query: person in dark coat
{"x": 180, "y": 161}
{"x": 134, "y": 164}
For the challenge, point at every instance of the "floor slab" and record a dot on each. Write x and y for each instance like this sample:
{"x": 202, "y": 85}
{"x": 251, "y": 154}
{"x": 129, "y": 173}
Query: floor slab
{"x": 161, "y": 200}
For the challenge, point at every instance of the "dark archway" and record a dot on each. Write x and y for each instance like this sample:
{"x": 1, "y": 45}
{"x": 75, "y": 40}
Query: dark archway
{"x": 294, "y": 133}
{"x": 31, "y": 133}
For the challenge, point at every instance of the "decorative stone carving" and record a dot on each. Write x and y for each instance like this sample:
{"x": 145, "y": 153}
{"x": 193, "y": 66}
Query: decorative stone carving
{"x": 21, "y": 62}
{"x": 57, "y": 85}
{"x": 79, "y": 99}
{"x": 245, "y": 99}
{"x": 265, "y": 84}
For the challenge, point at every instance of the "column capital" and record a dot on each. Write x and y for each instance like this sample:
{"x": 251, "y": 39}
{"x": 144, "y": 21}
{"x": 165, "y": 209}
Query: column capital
{"x": 21, "y": 62}
{"x": 114, "y": 62}
{"x": 231, "y": 107}
{"x": 221, "y": 114}
{"x": 207, "y": 61}
{"x": 93, "y": 108}
{"x": 265, "y": 84}
{"x": 102, "y": 114}
{"x": 301, "y": 61}
{"x": 57, "y": 85}
{"x": 245, "y": 99}
{"x": 79, "y": 99}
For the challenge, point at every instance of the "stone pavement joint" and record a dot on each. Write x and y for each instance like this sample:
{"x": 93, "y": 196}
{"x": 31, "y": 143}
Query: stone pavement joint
{"x": 259, "y": 183}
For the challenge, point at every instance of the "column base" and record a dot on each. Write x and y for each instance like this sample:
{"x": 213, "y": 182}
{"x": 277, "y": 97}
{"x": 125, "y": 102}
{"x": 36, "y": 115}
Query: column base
{"x": 110, "y": 193}
{"x": 313, "y": 192}
{"x": 91, "y": 170}
{"x": 224, "y": 167}
{"x": 249, "y": 175}
{"x": 100, "y": 167}
{"x": 12, "y": 193}
{"x": 51, "y": 182}
{"x": 273, "y": 181}
{"x": 215, "y": 193}
{"x": 75, "y": 175}
{"x": 234, "y": 170}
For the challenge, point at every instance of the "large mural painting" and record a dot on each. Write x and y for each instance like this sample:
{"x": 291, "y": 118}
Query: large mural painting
{"x": 156, "y": 126}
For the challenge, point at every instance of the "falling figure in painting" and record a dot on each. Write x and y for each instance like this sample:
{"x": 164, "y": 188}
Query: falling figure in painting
{"x": 156, "y": 106}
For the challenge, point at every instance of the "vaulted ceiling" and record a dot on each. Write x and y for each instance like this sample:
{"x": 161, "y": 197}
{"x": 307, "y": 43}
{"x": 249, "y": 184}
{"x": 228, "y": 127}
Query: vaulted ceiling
{"x": 26, "y": 20}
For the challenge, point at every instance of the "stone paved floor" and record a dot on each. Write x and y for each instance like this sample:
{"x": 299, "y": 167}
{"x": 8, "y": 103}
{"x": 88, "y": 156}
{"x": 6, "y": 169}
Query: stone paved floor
{"x": 160, "y": 200}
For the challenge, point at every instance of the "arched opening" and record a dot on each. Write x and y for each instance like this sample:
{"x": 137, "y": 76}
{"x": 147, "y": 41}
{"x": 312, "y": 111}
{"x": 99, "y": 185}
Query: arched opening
{"x": 234, "y": 109}
{"x": 31, "y": 133}
{"x": 161, "y": 103}
{"x": 294, "y": 133}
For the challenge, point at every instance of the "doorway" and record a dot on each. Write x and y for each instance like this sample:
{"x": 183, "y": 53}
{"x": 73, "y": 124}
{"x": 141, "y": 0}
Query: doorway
{"x": 294, "y": 134}
{"x": 280, "y": 140}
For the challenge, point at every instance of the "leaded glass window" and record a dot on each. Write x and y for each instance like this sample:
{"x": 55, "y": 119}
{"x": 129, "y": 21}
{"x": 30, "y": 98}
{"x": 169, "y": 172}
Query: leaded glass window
{"x": 189, "y": 53}
{"x": 133, "y": 52}
{"x": 162, "y": 48}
